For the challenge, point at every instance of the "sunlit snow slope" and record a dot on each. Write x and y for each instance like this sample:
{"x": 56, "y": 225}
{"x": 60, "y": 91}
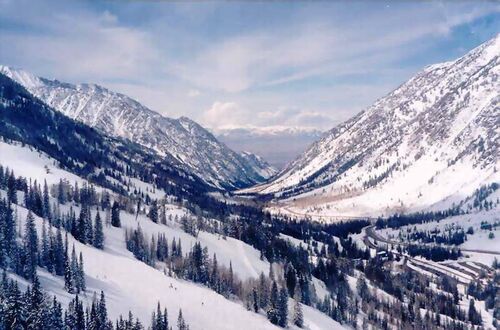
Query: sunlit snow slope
{"x": 435, "y": 139}
{"x": 130, "y": 284}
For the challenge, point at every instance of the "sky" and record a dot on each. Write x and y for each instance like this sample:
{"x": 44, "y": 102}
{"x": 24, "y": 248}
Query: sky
{"x": 229, "y": 64}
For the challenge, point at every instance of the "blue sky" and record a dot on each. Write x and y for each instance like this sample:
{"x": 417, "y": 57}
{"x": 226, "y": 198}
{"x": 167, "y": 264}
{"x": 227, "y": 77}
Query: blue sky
{"x": 233, "y": 64}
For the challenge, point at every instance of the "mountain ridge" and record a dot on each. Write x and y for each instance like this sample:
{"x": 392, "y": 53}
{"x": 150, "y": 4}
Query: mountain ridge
{"x": 443, "y": 119}
{"x": 119, "y": 115}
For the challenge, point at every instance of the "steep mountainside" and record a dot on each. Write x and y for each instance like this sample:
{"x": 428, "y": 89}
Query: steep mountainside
{"x": 85, "y": 151}
{"x": 118, "y": 115}
{"x": 433, "y": 139}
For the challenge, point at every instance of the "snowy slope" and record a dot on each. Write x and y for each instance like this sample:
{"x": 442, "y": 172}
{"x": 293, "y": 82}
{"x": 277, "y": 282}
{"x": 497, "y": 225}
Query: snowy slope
{"x": 120, "y": 116}
{"x": 262, "y": 167}
{"x": 433, "y": 139}
{"x": 122, "y": 277}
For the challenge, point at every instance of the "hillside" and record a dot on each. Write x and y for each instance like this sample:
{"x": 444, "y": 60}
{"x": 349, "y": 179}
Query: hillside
{"x": 85, "y": 173}
{"x": 432, "y": 141}
{"x": 115, "y": 114}
{"x": 127, "y": 290}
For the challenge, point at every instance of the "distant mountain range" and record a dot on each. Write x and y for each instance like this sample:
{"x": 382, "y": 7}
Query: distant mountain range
{"x": 279, "y": 145}
{"x": 115, "y": 114}
{"x": 432, "y": 141}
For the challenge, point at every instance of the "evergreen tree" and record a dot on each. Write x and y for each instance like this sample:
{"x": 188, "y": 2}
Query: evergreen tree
{"x": 473, "y": 314}
{"x": 115, "y": 215}
{"x": 81, "y": 287}
{"x": 61, "y": 195}
{"x": 291, "y": 279}
{"x": 75, "y": 315}
{"x": 263, "y": 292}
{"x": 30, "y": 248}
{"x": 46, "y": 201}
{"x": 181, "y": 323}
{"x": 36, "y": 313}
{"x": 153, "y": 211}
{"x": 102, "y": 312}
{"x": 11, "y": 189}
{"x": 55, "y": 321}
{"x": 13, "y": 317}
{"x": 214, "y": 276}
{"x": 68, "y": 270}
{"x": 98, "y": 232}
{"x": 298, "y": 315}
{"x": 59, "y": 253}
{"x": 272, "y": 312}
{"x": 45, "y": 260}
{"x": 255, "y": 301}
{"x": 283, "y": 308}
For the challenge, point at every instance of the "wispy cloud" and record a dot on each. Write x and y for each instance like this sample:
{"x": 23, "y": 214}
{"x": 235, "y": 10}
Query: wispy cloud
{"x": 269, "y": 64}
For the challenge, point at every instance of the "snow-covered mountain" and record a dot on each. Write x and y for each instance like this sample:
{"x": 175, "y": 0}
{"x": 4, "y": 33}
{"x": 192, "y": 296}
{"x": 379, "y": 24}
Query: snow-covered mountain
{"x": 278, "y": 145}
{"x": 119, "y": 115}
{"x": 434, "y": 139}
{"x": 264, "y": 169}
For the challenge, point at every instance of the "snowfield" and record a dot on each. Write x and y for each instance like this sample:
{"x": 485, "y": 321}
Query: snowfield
{"x": 130, "y": 284}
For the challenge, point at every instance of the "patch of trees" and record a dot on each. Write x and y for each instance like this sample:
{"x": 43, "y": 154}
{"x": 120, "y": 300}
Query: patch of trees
{"x": 434, "y": 253}
{"x": 400, "y": 220}
{"x": 35, "y": 309}
{"x": 49, "y": 251}
{"x": 412, "y": 292}
{"x": 451, "y": 237}
{"x": 262, "y": 295}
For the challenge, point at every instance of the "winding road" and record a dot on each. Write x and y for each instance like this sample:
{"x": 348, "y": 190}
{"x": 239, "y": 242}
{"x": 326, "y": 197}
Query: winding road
{"x": 371, "y": 233}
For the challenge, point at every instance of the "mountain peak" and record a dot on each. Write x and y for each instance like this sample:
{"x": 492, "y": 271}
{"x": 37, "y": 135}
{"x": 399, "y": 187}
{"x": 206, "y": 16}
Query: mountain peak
{"x": 439, "y": 124}
{"x": 118, "y": 115}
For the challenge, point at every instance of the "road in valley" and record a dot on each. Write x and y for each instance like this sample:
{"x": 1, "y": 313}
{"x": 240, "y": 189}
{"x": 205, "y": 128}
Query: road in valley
{"x": 371, "y": 233}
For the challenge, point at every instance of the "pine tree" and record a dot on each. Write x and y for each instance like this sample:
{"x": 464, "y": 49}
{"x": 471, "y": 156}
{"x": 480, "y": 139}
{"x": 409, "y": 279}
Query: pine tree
{"x": 102, "y": 312}
{"x": 272, "y": 312}
{"x": 98, "y": 232}
{"x": 30, "y": 248}
{"x": 36, "y": 318}
{"x": 55, "y": 321}
{"x": 45, "y": 249}
{"x": 298, "y": 315}
{"x": 263, "y": 292}
{"x": 291, "y": 279}
{"x": 181, "y": 323}
{"x": 46, "y": 202}
{"x": 283, "y": 308}
{"x": 61, "y": 196}
{"x": 115, "y": 215}
{"x": 68, "y": 270}
{"x": 153, "y": 211}
{"x": 11, "y": 189}
{"x": 59, "y": 253}
{"x": 75, "y": 315}
{"x": 255, "y": 301}
{"x": 80, "y": 275}
{"x": 214, "y": 276}
{"x": 231, "y": 278}
{"x": 8, "y": 233}
{"x": 13, "y": 311}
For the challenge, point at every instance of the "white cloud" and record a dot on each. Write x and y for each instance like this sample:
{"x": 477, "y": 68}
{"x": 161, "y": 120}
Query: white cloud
{"x": 223, "y": 114}
{"x": 290, "y": 73}
{"x": 322, "y": 48}
{"x": 90, "y": 47}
